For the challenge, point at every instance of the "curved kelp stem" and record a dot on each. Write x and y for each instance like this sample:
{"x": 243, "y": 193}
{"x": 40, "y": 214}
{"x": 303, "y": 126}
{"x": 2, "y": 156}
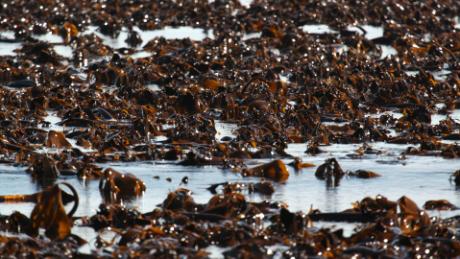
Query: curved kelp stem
{"x": 75, "y": 197}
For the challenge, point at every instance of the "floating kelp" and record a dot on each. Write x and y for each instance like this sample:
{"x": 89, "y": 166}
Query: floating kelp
{"x": 275, "y": 170}
{"x": 49, "y": 212}
{"x": 115, "y": 186}
{"x": 331, "y": 172}
{"x": 85, "y": 84}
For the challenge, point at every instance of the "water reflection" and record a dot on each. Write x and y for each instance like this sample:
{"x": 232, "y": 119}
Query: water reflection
{"x": 317, "y": 29}
{"x": 420, "y": 178}
{"x": 7, "y": 48}
{"x": 168, "y": 32}
{"x": 371, "y": 32}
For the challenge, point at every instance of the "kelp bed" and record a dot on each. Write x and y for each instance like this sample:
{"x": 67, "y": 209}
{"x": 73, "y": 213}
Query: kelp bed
{"x": 87, "y": 83}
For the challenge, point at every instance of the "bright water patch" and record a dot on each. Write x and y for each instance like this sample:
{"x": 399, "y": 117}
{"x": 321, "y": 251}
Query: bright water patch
{"x": 7, "y": 35}
{"x": 153, "y": 87}
{"x": 49, "y": 37}
{"x": 318, "y": 29}
{"x": 7, "y": 48}
{"x": 387, "y": 51}
{"x": 225, "y": 129}
{"x": 372, "y": 32}
{"x": 251, "y": 35}
{"x": 168, "y": 32}
{"x": 52, "y": 119}
{"x": 420, "y": 178}
{"x": 141, "y": 54}
{"x": 172, "y": 33}
{"x": 63, "y": 50}
{"x": 441, "y": 75}
{"x": 246, "y": 3}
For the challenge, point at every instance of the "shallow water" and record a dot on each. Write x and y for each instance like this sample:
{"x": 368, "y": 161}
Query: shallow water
{"x": 317, "y": 29}
{"x": 387, "y": 51}
{"x": 372, "y": 32}
{"x": 167, "y": 32}
{"x": 7, "y": 48}
{"x": 225, "y": 129}
{"x": 420, "y": 178}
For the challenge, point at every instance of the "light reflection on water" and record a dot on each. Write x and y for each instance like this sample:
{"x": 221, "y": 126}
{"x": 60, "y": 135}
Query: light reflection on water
{"x": 167, "y": 32}
{"x": 317, "y": 29}
{"x": 7, "y": 48}
{"x": 420, "y": 178}
{"x": 372, "y": 32}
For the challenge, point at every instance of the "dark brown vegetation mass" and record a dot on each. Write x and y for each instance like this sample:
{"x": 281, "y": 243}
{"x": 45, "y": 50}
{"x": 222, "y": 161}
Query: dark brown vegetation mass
{"x": 279, "y": 87}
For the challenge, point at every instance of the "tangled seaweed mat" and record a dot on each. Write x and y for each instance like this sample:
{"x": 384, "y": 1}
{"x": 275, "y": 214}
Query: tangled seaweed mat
{"x": 260, "y": 69}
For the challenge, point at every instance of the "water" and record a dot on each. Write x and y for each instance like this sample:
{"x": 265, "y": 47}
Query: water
{"x": 420, "y": 178}
{"x": 246, "y": 3}
{"x": 317, "y": 29}
{"x": 408, "y": 177}
{"x": 169, "y": 33}
{"x": 7, "y": 48}
{"x": 225, "y": 129}
{"x": 153, "y": 87}
{"x": 181, "y": 32}
{"x": 252, "y": 35}
{"x": 65, "y": 51}
{"x": 141, "y": 54}
{"x": 387, "y": 51}
{"x": 372, "y": 32}
{"x": 49, "y": 37}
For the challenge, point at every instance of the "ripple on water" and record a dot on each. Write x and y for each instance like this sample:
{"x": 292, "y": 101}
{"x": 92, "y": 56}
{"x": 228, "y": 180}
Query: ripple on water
{"x": 420, "y": 178}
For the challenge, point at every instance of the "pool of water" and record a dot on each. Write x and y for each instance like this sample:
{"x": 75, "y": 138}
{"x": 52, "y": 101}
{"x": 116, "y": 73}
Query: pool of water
{"x": 420, "y": 178}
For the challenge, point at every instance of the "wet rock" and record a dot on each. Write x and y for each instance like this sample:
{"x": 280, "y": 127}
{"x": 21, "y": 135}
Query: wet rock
{"x": 291, "y": 222}
{"x": 378, "y": 204}
{"x": 412, "y": 219}
{"x": 18, "y": 223}
{"x": 228, "y": 204}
